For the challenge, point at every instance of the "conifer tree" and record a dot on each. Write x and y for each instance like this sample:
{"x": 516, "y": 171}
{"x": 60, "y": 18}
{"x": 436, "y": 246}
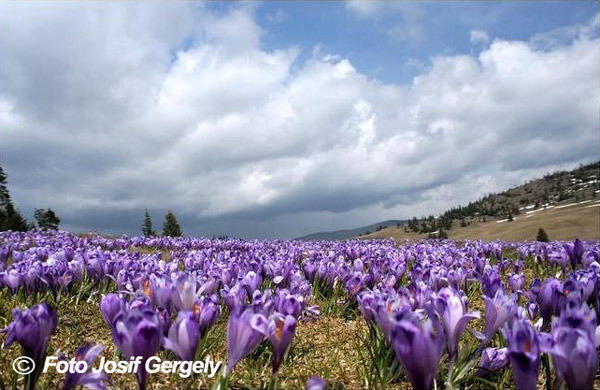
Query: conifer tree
{"x": 10, "y": 218}
{"x": 46, "y": 219}
{"x": 542, "y": 236}
{"x": 147, "y": 230}
{"x": 171, "y": 227}
{"x": 442, "y": 234}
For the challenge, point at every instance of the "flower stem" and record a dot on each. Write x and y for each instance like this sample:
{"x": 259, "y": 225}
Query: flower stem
{"x": 451, "y": 364}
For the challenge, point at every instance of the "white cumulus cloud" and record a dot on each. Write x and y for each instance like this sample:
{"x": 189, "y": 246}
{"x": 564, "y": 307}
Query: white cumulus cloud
{"x": 175, "y": 106}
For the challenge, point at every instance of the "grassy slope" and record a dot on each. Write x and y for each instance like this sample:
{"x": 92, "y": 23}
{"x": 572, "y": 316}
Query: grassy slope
{"x": 561, "y": 224}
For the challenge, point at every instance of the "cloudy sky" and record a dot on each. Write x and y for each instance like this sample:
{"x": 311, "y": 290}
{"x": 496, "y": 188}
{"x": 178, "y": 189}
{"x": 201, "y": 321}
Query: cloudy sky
{"x": 281, "y": 119}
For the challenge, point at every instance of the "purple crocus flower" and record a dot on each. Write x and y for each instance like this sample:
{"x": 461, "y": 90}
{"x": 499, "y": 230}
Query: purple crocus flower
{"x": 590, "y": 257}
{"x": 164, "y": 318}
{"x": 138, "y": 333}
{"x": 245, "y": 330}
{"x": 354, "y": 284}
{"x": 452, "y": 309}
{"x": 516, "y": 282}
{"x": 547, "y": 299}
{"x": 560, "y": 257}
{"x": 518, "y": 266}
{"x": 571, "y": 291}
{"x": 233, "y": 296}
{"x": 280, "y": 332}
{"x": 309, "y": 269}
{"x": 492, "y": 359}
{"x": 159, "y": 290}
{"x": 418, "y": 345}
{"x": 456, "y": 277}
{"x": 498, "y": 311}
{"x": 185, "y": 292}
{"x": 316, "y": 383}
{"x": 491, "y": 282}
{"x": 4, "y": 253}
{"x": 573, "y": 344}
{"x": 183, "y": 336}
{"x": 580, "y": 317}
{"x": 32, "y": 278}
{"x": 64, "y": 281}
{"x": 110, "y": 306}
{"x": 251, "y": 282}
{"x": 89, "y": 379}
{"x": 11, "y": 279}
{"x": 139, "y": 302}
{"x": 575, "y": 251}
{"x": 390, "y": 307}
{"x": 209, "y": 285}
{"x": 32, "y": 329}
{"x": 368, "y": 304}
{"x": 287, "y": 303}
{"x": 575, "y": 356}
{"x": 206, "y": 313}
{"x": 524, "y": 354}
{"x": 534, "y": 290}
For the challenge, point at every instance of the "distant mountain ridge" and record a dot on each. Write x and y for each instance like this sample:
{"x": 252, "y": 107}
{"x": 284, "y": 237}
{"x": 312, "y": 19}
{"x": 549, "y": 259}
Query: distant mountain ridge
{"x": 561, "y": 187}
{"x": 351, "y": 233}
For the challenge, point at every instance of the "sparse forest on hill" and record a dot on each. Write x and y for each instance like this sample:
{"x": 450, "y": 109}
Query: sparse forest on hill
{"x": 553, "y": 189}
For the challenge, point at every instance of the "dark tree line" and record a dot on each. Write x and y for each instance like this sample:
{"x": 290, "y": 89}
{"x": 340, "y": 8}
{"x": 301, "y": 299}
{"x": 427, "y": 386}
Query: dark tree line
{"x": 11, "y": 218}
{"x": 553, "y": 187}
{"x": 171, "y": 226}
{"x": 487, "y": 206}
{"x": 46, "y": 219}
{"x": 429, "y": 224}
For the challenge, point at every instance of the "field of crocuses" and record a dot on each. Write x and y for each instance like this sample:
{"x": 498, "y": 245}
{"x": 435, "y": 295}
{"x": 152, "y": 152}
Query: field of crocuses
{"x": 291, "y": 314}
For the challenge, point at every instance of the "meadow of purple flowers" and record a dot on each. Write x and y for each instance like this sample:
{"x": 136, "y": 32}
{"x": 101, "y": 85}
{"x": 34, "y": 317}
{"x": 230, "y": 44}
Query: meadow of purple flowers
{"x": 180, "y": 297}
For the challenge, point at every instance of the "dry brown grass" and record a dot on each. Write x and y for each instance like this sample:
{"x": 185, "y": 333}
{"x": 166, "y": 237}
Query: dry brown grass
{"x": 322, "y": 347}
{"x": 567, "y": 223}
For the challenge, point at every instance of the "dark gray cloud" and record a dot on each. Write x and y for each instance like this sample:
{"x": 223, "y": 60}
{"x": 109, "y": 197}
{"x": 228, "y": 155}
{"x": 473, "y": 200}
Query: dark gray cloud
{"x": 122, "y": 107}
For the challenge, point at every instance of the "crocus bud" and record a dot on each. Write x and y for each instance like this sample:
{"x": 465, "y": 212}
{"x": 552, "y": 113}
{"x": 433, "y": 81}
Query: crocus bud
{"x": 183, "y": 336}
{"x": 492, "y": 359}
{"x": 245, "y": 330}
{"x": 524, "y": 353}
{"x": 110, "y": 306}
{"x": 280, "y": 332}
{"x": 89, "y": 379}
{"x": 138, "y": 333}
{"x": 419, "y": 346}
{"x": 32, "y": 329}
{"x": 452, "y": 308}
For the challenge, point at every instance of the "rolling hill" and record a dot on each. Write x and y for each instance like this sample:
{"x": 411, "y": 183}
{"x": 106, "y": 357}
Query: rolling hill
{"x": 350, "y": 233}
{"x": 564, "y": 203}
{"x": 563, "y": 222}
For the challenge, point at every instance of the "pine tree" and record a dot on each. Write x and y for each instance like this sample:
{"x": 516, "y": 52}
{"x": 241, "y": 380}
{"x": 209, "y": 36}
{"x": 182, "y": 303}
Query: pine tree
{"x": 542, "y": 236}
{"x": 10, "y": 218}
{"x": 442, "y": 234}
{"x": 46, "y": 219}
{"x": 147, "y": 230}
{"x": 13, "y": 220}
{"x": 171, "y": 227}
{"x": 4, "y": 196}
